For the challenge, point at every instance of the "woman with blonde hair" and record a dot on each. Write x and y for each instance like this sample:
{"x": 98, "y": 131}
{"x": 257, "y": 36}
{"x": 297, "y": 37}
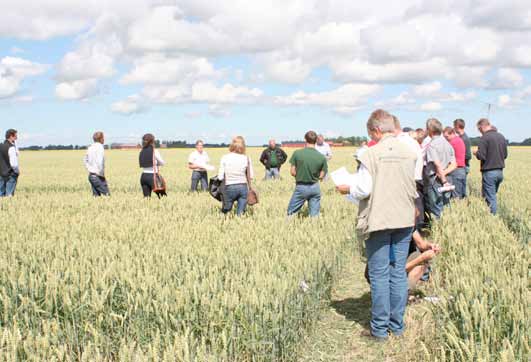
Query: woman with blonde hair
{"x": 237, "y": 171}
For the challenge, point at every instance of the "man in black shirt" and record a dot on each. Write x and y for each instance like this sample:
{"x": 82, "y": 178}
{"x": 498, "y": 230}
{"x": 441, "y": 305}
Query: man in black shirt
{"x": 492, "y": 152}
{"x": 459, "y": 127}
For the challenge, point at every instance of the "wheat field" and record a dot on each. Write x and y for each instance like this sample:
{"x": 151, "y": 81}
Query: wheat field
{"x": 125, "y": 278}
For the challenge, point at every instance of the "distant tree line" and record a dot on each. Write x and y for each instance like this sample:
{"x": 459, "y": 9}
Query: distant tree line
{"x": 353, "y": 140}
{"x": 54, "y": 147}
{"x": 526, "y": 142}
{"x": 184, "y": 144}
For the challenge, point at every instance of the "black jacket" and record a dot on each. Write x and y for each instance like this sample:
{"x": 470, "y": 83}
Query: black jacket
{"x": 468, "y": 149}
{"x": 492, "y": 151}
{"x": 5, "y": 166}
{"x": 265, "y": 159}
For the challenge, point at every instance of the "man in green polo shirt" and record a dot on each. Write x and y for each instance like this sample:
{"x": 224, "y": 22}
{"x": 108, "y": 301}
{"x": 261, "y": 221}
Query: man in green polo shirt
{"x": 308, "y": 166}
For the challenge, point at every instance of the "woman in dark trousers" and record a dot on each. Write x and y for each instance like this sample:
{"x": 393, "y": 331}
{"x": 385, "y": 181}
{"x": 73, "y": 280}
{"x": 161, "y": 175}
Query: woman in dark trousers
{"x": 146, "y": 158}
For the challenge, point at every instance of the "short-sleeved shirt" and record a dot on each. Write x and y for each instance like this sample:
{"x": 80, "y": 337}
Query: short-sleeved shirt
{"x": 460, "y": 150}
{"x": 439, "y": 149}
{"x": 324, "y": 149}
{"x": 309, "y": 164}
{"x": 199, "y": 159}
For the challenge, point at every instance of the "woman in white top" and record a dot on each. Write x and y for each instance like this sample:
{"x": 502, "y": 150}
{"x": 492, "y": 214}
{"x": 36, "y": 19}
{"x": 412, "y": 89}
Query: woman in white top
{"x": 233, "y": 169}
{"x": 146, "y": 157}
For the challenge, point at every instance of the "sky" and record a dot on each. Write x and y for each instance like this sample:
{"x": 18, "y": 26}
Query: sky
{"x": 203, "y": 69}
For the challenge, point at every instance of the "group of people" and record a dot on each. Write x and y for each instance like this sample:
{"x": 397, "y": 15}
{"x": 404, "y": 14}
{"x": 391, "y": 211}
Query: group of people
{"x": 404, "y": 177}
{"x": 308, "y": 167}
{"x": 400, "y": 174}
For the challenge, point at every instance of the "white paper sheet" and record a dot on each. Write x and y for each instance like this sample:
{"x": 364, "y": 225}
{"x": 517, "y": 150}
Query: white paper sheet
{"x": 205, "y": 167}
{"x": 341, "y": 177}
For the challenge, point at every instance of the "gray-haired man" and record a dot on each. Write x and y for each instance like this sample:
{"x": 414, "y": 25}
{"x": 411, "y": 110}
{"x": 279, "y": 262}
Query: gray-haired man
{"x": 440, "y": 162}
{"x": 385, "y": 187}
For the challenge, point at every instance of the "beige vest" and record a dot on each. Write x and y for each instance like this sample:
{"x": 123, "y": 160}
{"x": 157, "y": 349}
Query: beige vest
{"x": 391, "y": 204}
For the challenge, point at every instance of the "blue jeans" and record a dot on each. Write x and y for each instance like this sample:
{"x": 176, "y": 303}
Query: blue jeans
{"x": 434, "y": 200}
{"x": 303, "y": 193}
{"x": 197, "y": 177}
{"x": 272, "y": 173}
{"x": 232, "y": 194}
{"x": 491, "y": 181}
{"x": 388, "y": 281}
{"x": 8, "y": 185}
{"x": 99, "y": 185}
{"x": 458, "y": 179}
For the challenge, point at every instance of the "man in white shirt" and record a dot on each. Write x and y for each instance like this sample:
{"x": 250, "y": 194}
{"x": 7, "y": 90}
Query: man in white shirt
{"x": 95, "y": 164}
{"x": 198, "y": 162}
{"x": 323, "y": 147}
{"x": 9, "y": 167}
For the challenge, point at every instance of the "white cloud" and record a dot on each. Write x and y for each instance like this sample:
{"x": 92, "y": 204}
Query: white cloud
{"x": 457, "y": 97}
{"x": 427, "y": 89}
{"x": 80, "y": 70}
{"x": 27, "y": 19}
{"x": 507, "y": 78}
{"x": 511, "y": 15}
{"x": 13, "y": 71}
{"x": 170, "y": 48}
{"x": 291, "y": 71}
{"x": 431, "y": 107}
{"x": 346, "y": 98}
{"x": 469, "y": 76}
{"x": 160, "y": 69}
{"x": 518, "y": 98}
{"x": 128, "y": 106}
{"x": 413, "y": 72}
{"x": 85, "y": 64}
{"x": 167, "y": 94}
{"x": 227, "y": 94}
{"x": 394, "y": 42}
{"x": 202, "y": 92}
{"x": 77, "y": 90}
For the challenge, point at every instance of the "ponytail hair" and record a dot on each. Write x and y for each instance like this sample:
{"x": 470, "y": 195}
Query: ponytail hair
{"x": 148, "y": 140}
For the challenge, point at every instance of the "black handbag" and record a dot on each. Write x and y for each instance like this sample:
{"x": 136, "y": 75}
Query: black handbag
{"x": 216, "y": 187}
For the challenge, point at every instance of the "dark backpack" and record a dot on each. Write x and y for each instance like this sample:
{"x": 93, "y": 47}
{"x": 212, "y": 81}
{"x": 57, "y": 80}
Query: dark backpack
{"x": 216, "y": 187}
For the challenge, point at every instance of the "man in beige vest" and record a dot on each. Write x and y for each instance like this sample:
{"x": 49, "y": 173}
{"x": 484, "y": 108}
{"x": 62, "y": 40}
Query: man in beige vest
{"x": 386, "y": 191}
